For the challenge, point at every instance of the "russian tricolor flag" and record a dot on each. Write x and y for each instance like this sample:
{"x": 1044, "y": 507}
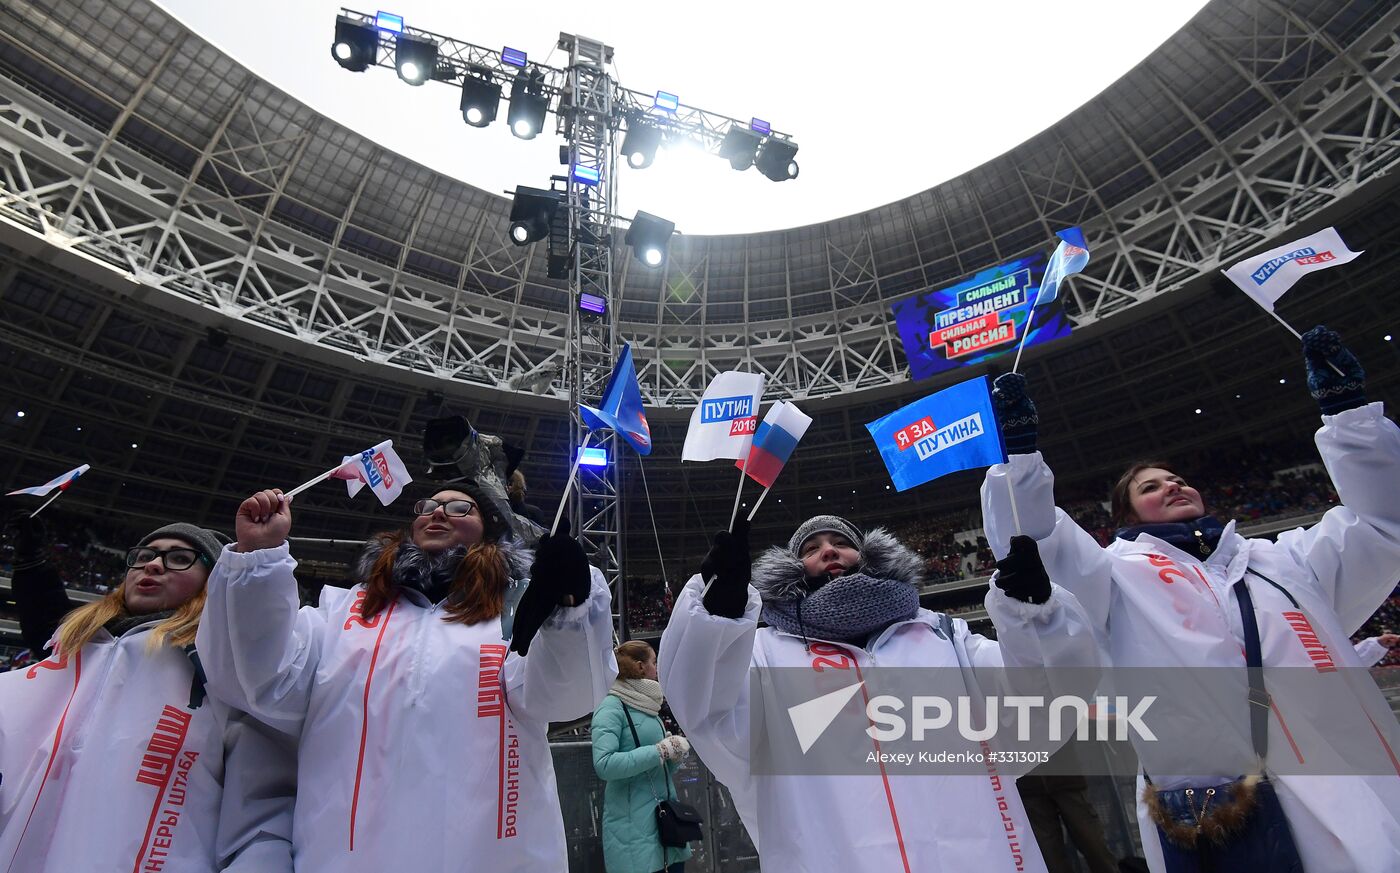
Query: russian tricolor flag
{"x": 777, "y": 435}
{"x": 59, "y": 482}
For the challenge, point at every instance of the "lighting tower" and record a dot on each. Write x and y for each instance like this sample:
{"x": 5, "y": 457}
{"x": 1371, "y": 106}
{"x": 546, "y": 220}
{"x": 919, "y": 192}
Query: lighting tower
{"x": 590, "y": 109}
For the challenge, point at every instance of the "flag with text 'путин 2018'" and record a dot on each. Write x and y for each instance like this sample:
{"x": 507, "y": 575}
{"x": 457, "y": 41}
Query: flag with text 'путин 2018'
{"x": 777, "y": 435}
{"x": 955, "y": 429}
{"x": 723, "y": 425}
{"x": 380, "y": 468}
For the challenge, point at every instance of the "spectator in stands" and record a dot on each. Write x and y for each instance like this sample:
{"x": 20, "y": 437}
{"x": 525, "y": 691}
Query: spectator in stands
{"x": 96, "y": 741}
{"x": 423, "y": 739}
{"x": 838, "y": 598}
{"x": 636, "y": 756}
{"x": 1306, "y": 590}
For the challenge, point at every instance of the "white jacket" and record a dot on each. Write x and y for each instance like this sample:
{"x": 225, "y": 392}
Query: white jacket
{"x": 423, "y": 743}
{"x": 106, "y": 763}
{"x": 1155, "y": 606}
{"x": 880, "y": 824}
{"x": 1371, "y": 651}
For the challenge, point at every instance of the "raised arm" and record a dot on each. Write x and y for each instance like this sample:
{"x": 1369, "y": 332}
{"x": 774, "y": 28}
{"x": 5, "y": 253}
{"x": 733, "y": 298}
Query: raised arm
{"x": 259, "y": 650}
{"x": 40, "y": 598}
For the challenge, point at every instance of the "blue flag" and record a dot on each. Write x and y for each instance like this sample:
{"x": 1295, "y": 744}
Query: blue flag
{"x": 1070, "y": 256}
{"x": 952, "y": 430}
{"x": 621, "y": 407}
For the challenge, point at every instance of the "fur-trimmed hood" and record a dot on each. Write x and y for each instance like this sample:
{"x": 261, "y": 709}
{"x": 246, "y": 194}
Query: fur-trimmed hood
{"x": 778, "y": 573}
{"x": 414, "y": 560}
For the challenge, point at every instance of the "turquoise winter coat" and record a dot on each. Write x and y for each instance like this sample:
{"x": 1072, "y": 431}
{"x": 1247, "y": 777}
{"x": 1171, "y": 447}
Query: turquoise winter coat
{"x": 635, "y": 778}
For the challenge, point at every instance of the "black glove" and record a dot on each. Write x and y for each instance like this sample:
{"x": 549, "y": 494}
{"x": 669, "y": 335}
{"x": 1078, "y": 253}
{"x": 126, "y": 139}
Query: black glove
{"x": 560, "y": 572}
{"x": 728, "y": 565}
{"x": 1021, "y": 574}
{"x": 29, "y": 535}
{"x": 1016, "y": 415}
{"x": 1334, "y": 392}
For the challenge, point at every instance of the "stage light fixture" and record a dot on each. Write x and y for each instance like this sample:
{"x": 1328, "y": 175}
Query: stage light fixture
{"x": 775, "y": 159}
{"x": 528, "y": 104}
{"x": 480, "y": 98}
{"x": 415, "y": 58}
{"x": 650, "y": 236}
{"x": 355, "y": 44}
{"x": 514, "y": 57}
{"x": 640, "y": 144}
{"x": 759, "y": 126}
{"x": 593, "y": 456}
{"x": 531, "y": 214}
{"x": 592, "y": 304}
{"x": 739, "y": 147}
{"x": 389, "y": 21}
{"x": 666, "y": 101}
{"x": 587, "y": 175}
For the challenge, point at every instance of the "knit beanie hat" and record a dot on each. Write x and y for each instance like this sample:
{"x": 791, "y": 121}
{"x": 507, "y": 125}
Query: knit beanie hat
{"x": 825, "y": 524}
{"x": 209, "y": 543}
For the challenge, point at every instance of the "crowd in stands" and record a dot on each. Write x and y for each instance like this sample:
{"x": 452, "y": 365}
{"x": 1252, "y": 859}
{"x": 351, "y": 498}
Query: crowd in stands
{"x": 1385, "y": 620}
{"x": 88, "y": 554}
{"x": 13, "y": 658}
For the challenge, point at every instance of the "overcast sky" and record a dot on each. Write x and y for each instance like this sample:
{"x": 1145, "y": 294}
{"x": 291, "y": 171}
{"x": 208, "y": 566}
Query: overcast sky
{"x": 884, "y": 97}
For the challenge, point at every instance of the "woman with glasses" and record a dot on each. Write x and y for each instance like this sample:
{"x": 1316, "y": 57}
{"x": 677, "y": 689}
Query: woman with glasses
{"x": 423, "y": 730}
{"x": 111, "y": 755}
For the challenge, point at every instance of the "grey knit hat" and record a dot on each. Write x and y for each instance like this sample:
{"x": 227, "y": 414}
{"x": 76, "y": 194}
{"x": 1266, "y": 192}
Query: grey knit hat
{"x": 209, "y": 543}
{"x": 825, "y": 524}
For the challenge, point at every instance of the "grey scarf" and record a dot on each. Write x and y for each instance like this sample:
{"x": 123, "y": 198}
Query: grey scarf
{"x": 425, "y": 572}
{"x": 848, "y": 609}
{"x": 643, "y": 694}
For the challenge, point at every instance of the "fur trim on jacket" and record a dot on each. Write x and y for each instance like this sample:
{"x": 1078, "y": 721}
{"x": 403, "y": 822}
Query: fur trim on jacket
{"x": 778, "y": 573}
{"x": 413, "y": 562}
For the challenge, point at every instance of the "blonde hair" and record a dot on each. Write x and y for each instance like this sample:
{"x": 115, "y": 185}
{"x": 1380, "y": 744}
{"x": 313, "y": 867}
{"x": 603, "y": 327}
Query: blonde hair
{"x": 83, "y": 623}
{"x": 631, "y": 659}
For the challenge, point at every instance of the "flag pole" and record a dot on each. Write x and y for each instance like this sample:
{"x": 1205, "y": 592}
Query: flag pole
{"x": 754, "y": 511}
{"x": 57, "y": 494}
{"x": 1288, "y": 327}
{"x": 317, "y": 481}
{"x": 1030, "y": 315}
{"x": 734, "y": 513}
{"x": 569, "y": 485}
{"x": 1011, "y": 493}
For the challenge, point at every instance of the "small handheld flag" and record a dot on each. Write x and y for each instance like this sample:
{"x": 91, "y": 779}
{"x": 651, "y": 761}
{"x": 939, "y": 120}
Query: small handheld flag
{"x": 380, "y": 468}
{"x": 1268, "y": 276}
{"x": 621, "y": 406}
{"x": 1071, "y": 256}
{"x": 778, "y": 434}
{"x": 723, "y": 425}
{"x": 60, "y": 482}
{"x": 954, "y": 429}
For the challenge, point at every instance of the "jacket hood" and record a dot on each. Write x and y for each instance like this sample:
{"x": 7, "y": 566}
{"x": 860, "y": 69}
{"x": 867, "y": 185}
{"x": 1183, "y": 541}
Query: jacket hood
{"x": 518, "y": 558}
{"x": 778, "y": 574}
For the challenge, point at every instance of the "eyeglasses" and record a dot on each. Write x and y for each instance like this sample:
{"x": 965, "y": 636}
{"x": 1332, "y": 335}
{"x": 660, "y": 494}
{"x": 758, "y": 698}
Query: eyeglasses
{"x": 173, "y": 559}
{"x": 450, "y": 508}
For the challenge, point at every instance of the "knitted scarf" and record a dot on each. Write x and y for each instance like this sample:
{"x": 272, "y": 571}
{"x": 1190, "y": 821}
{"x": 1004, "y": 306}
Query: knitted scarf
{"x": 120, "y": 624}
{"x": 1181, "y": 534}
{"x": 642, "y": 694}
{"x": 848, "y": 609}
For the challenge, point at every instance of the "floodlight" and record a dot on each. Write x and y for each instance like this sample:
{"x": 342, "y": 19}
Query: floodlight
{"x": 640, "y": 143}
{"x": 514, "y": 57}
{"x": 586, "y": 175}
{"x": 649, "y": 236}
{"x": 759, "y": 126}
{"x": 739, "y": 147}
{"x": 355, "y": 44}
{"x": 531, "y": 214}
{"x": 666, "y": 102}
{"x": 528, "y": 105}
{"x": 775, "y": 159}
{"x": 415, "y": 58}
{"x": 592, "y": 303}
{"x": 389, "y": 21}
{"x": 593, "y": 456}
{"x": 480, "y": 98}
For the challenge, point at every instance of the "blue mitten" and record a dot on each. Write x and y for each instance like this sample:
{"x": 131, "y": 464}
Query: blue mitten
{"x": 1016, "y": 415}
{"x": 1325, "y": 356}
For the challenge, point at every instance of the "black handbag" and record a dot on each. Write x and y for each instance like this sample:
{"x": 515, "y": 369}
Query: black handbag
{"x": 1237, "y": 826}
{"x": 677, "y": 823}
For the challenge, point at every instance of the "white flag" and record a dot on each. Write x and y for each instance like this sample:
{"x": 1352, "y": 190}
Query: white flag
{"x": 380, "y": 468}
{"x": 1266, "y": 277}
{"x": 722, "y": 426}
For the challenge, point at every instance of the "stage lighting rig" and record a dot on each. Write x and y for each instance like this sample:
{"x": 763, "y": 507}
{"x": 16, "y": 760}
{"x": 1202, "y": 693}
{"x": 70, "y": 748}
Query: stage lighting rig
{"x": 528, "y": 104}
{"x": 532, "y": 214}
{"x": 356, "y": 44}
{"x": 640, "y": 144}
{"x": 775, "y": 159}
{"x": 481, "y": 97}
{"x": 739, "y": 146}
{"x": 650, "y": 237}
{"x": 415, "y": 58}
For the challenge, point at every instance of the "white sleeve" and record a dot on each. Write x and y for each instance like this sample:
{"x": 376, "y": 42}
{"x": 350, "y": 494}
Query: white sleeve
{"x": 260, "y": 787}
{"x": 258, "y": 649}
{"x": 1023, "y": 490}
{"x": 1370, "y": 651}
{"x": 704, "y": 671}
{"x": 571, "y": 664}
{"x": 1353, "y": 553}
